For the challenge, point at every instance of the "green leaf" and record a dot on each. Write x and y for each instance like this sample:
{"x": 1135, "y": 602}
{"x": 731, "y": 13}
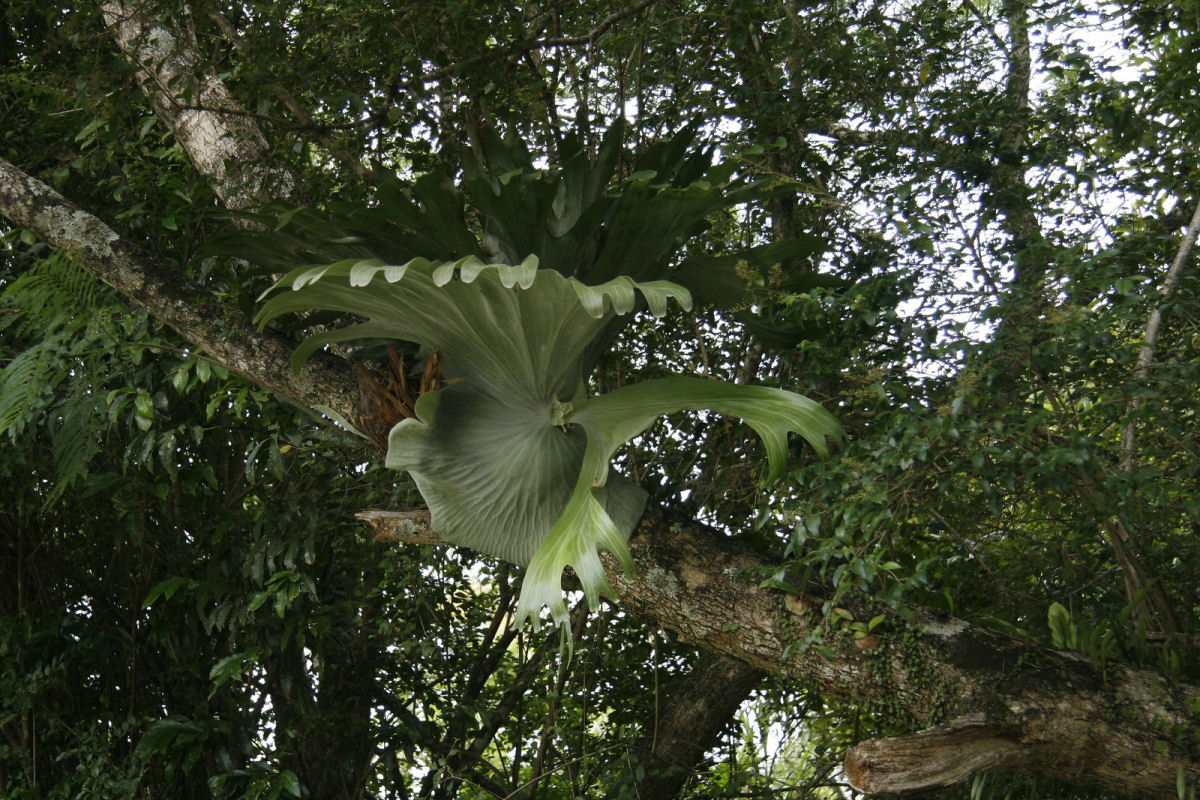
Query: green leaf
{"x": 520, "y": 345}
{"x": 340, "y": 420}
{"x": 291, "y": 783}
{"x": 164, "y": 589}
{"x": 232, "y": 667}
{"x": 609, "y": 421}
{"x": 614, "y": 418}
{"x": 1061, "y": 629}
{"x": 721, "y": 280}
{"x": 90, "y": 128}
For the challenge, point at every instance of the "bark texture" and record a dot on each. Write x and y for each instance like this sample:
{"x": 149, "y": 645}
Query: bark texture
{"x": 220, "y": 138}
{"x": 981, "y": 700}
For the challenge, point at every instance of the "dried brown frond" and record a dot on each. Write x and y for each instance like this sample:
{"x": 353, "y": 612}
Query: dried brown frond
{"x": 388, "y": 398}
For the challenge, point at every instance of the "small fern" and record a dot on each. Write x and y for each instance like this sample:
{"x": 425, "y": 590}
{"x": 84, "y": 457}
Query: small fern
{"x": 47, "y": 306}
{"x": 74, "y": 430}
{"x": 27, "y": 383}
{"x": 56, "y": 292}
{"x": 59, "y": 347}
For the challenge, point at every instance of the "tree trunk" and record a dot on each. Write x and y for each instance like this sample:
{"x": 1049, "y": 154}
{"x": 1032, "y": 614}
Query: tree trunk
{"x": 685, "y": 725}
{"x": 1018, "y": 336}
{"x": 220, "y": 138}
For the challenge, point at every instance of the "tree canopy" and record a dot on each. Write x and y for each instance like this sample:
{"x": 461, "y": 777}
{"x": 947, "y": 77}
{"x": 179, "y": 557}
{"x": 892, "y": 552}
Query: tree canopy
{"x": 963, "y": 229}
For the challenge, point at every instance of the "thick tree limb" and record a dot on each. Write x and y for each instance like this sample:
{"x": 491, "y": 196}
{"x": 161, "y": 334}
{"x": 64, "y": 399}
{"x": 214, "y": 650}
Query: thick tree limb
{"x": 1011, "y": 704}
{"x": 401, "y": 527}
{"x": 1062, "y": 716}
{"x": 212, "y": 127}
{"x": 174, "y": 299}
{"x": 942, "y": 756}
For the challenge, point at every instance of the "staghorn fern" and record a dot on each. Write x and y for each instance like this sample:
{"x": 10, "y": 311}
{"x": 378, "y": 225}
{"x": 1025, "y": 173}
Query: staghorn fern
{"x": 513, "y": 457}
{"x": 522, "y": 298}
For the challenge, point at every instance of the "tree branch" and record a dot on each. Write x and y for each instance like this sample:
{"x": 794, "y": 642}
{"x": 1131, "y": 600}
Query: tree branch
{"x": 1150, "y": 339}
{"x": 1045, "y": 712}
{"x": 946, "y": 755}
{"x": 1154, "y": 605}
{"x": 1069, "y": 721}
{"x": 220, "y": 138}
{"x": 337, "y": 149}
{"x": 174, "y": 299}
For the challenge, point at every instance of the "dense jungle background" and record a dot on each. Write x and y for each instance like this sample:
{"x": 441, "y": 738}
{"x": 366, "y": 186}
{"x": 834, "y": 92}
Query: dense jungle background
{"x": 963, "y": 227}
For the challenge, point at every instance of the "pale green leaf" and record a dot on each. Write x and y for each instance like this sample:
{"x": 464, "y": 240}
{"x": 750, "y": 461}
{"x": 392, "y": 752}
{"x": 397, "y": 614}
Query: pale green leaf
{"x": 362, "y": 272}
{"x": 612, "y": 419}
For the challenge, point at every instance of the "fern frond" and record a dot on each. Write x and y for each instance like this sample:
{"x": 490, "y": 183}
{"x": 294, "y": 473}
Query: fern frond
{"x": 74, "y": 440}
{"x": 27, "y": 383}
{"x": 54, "y": 292}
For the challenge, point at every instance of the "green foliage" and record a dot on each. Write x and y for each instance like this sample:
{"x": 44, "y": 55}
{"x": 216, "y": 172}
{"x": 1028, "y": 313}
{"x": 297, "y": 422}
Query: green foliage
{"x": 513, "y": 461}
{"x": 56, "y": 310}
{"x": 193, "y": 614}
